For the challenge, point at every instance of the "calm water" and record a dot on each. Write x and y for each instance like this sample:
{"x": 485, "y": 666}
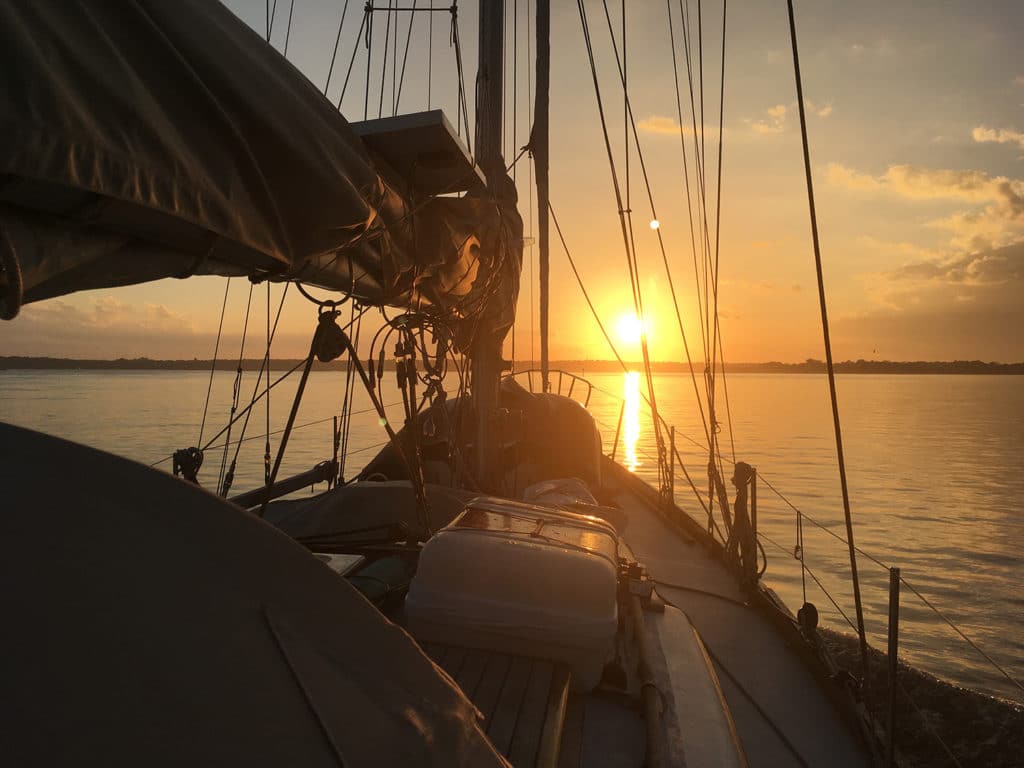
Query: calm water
{"x": 934, "y": 462}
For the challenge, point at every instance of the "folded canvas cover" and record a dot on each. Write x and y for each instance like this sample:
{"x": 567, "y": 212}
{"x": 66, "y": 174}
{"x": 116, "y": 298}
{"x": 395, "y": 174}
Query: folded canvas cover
{"x": 142, "y": 139}
{"x": 148, "y": 622}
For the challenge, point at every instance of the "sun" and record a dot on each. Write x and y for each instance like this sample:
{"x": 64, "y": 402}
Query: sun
{"x": 628, "y": 328}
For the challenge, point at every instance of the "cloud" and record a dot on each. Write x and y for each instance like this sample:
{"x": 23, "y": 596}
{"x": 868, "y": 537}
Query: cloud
{"x": 669, "y": 126}
{"x": 964, "y": 306}
{"x": 774, "y": 119}
{"x": 985, "y": 268}
{"x": 775, "y": 122}
{"x": 981, "y": 134}
{"x": 999, "y": 222}
{"x": 821, "y": 110}
{"x": 920, "y": 183}
{"x": 105, "y": 328}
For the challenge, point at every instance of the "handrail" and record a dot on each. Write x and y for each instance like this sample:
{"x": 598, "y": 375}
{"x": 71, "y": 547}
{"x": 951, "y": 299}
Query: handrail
{"x": 562, "y": 375}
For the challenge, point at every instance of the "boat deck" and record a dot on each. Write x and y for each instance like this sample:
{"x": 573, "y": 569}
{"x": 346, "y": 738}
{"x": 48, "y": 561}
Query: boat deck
{"x": 781, "y": 712}
{"x": 533, "y": 719}
{"x": 782, "y": 715}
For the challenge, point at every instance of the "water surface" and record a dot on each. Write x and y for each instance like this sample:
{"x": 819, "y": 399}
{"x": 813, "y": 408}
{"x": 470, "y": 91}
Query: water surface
{"x": 934, "y": 463}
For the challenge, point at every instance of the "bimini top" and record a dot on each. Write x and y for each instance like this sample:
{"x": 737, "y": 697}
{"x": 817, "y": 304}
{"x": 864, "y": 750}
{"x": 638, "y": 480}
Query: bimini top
{"x": 142, "y": 140}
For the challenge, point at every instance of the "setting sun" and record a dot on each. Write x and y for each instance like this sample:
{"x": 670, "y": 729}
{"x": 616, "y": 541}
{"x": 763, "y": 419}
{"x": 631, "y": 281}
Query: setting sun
{"x": 628, "y": 328}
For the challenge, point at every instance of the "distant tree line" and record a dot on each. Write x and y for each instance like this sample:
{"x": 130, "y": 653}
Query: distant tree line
{"x": 593, "y": 366}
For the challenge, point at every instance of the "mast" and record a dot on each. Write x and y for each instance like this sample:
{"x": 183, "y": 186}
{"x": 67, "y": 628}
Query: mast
{"x": 486, "y": 351}
{"x": 539, "y": 143}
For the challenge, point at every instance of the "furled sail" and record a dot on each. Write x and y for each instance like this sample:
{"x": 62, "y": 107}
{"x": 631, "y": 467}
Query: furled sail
{"x": 142, "y": 140}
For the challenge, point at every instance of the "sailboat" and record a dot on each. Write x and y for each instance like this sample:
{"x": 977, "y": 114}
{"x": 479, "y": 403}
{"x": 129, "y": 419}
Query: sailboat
{"x": 490, "y": 590}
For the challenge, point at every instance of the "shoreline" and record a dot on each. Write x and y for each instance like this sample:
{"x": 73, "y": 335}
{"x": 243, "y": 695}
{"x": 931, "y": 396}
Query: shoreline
{"x": 956, "y": 367}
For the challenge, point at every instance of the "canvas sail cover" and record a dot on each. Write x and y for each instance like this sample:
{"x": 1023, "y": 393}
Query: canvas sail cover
{"x": 142, "y": 139}
{"x": 155, "y": 624}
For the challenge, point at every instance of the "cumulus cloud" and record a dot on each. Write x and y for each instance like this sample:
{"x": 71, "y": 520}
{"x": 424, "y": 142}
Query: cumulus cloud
{"x": 774, "y": 122}
{"x": 981, "y": 134}
{"x": 821, "y": 110}
{"x": 669, "y": 126}
{"x": 997, "y": 218}
{"x": 105, "y": 328}
{"x": 984, "y": 268}
{"x": 932, "y": 184}
{"x": 774, "y": 119}
{"x": 964, "y": 306}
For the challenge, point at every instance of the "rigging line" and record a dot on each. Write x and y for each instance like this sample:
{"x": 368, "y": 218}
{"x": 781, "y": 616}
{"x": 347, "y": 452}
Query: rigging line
{"x": 728, "y": 407}
{"x": 698, "y": 148}
{"x": 515, "y": 121}
{"x": 349, "y": 395}
{"x": 384, "y": 60}
{"x": 583, "y": 289}
{"x": 352, "y": 60}
{"x": 394, "y": 65}
{"x": 659, "y": 441}
{"x": 529, "y": 168}
{"x": 828, "y": 343}
{"x": 462, "y": 79}
{"x": 279, "y": 431}
{"x": 504, "y": 79}
{"x": 405, "y": 55}
{"x": 337, "y": 41}
{"x": 259, "y": 397}
{"x": 817, "y": 524}
{"x": 618, "y": 399}
{"x": 960, "y": 632}
{"x": 607, "y": 338}
{"x": 267, "y": 361}
{"x": 213, "y": 365}
{"x": 368, "y": 18}
{"x": 701, "y": 203}
{"x": 430, "y": 51}
{"x": 824, "y": 591}
{"x": 886, "y": 567}
{"x": 631, "y": 247}
{"x": 341, "y": 438}
{"x": 622, "y": 218}
{"x": 718, "y": 215}
{"x": 631, "y": 122}
{"x": 800, "y": 549}
{"x": 515, "y": 82}
{"x": 686, "y": 186}
{"x": 288, "y": 31}
{"x": 682, "y": 146}
{"x": 235, "y": 390}
{"x": 265, "y": 366}
{"x": 703, "y": 182}
{"x": 270, "y": 23}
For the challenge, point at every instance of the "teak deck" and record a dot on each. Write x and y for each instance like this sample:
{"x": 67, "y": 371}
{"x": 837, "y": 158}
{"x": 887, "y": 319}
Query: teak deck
{"x": 523, "y": 701}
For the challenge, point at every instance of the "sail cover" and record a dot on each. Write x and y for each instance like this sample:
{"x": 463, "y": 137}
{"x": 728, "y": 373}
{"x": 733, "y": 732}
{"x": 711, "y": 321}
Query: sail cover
{"x": 155, "y": 624}
{"x": 144, "y": 139}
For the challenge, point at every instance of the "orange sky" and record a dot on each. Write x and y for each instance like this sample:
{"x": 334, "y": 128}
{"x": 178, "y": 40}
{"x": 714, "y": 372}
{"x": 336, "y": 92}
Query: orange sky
{"x": 916, "y": 122}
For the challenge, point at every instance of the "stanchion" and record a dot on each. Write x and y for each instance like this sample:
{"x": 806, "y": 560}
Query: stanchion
{"x": 894, "y": 632}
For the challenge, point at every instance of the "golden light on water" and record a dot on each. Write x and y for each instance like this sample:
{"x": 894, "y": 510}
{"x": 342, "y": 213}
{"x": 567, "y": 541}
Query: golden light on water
{"x": 630, "y": 419}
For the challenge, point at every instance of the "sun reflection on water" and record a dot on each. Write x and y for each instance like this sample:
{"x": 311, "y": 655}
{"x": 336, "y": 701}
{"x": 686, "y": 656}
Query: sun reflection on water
{"x": 631, "y": 419}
